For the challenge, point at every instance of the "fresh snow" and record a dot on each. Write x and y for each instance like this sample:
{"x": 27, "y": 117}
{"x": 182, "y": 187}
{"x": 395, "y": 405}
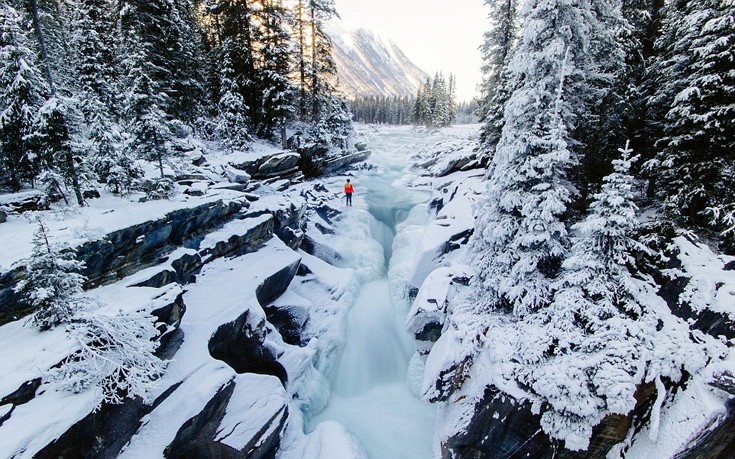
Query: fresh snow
{"x": 343, "y": 399}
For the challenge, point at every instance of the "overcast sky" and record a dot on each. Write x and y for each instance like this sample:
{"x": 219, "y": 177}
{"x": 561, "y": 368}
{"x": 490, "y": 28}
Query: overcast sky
{"x": 434, "y": 34}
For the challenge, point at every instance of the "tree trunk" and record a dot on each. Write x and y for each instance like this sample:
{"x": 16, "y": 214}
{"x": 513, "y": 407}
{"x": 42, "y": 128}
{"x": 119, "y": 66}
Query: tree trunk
{"x": 74, "y": 179}
{"x": 284, "y": 135}
{"x": 314, "y": 73}
{"x": 41, "y": 44}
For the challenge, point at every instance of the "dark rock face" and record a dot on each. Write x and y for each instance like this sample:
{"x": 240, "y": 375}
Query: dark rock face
{"x": 91, "y": 194}
{"x": 170, "y": 319}
{"x": 3, "y": 216}
{"x": 320, "y": 251}
{"x": 24, "y": 201}
{"x": 708, "y": 321}
{"x": 315, "y": 161}
{"x": 240, "y": 345}
{"x": 502, "y": 427}
{"x": 275, "y": 285}
{"x": 289, "y": 321}
{"x": 431, "y": 332}
{"x": 457, "y": 241}
{"x": 196, "y": 438}
{"x": 239, "y": 244}
{"x": 129, "y": 250}
{"x": 24, "y": 394}
{"x": 718, "y": 443}
{"x": 12, "y": 306}
{"x": 283, "y": 164}
{"x": 101, "y": 434}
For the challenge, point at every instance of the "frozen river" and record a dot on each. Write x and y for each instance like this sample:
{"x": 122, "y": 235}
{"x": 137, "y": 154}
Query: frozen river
{"x": 371, "y": 394}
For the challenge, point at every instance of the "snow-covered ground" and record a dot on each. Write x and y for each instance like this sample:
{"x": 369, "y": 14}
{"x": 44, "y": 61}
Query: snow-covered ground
{"x": 354, "y": 386}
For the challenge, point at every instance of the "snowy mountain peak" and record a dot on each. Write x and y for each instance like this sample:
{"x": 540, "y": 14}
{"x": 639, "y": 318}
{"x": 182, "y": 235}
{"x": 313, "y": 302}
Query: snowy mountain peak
{"x": 368, "y": 64}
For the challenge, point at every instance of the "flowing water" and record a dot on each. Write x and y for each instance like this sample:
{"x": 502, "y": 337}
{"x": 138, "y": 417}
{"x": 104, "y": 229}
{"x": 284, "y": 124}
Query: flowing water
{"x": 370, "y": 392}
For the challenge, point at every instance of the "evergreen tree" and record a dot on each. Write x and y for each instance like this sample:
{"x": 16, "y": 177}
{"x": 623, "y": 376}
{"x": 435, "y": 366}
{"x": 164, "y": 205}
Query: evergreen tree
{"x": 22, "y": 92}
{"x": 602, "y": 337}
{"x": 184, "y": 52}
{"x": 322, "y": 66}
{"x": 92, "y": 42}
{"x": 52, "y": 282}
{"x": 232, "y": 123}
{"x": 145, "y": 102}
{"x": 520, "y": 237}
{"x": 496, "y": 49}
{"x": 301, "y": 27}
{"x": 594, "y": 328}
{"x": 696, "y": 161}
{"x": 273, "y": 83}
{"x": 423, "y": 113}
{"x": 93, "y": 46}
{"x": 54, "y": 141}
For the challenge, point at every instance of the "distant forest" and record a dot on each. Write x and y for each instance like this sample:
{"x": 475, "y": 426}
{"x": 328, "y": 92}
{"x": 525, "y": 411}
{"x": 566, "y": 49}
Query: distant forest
{"x": 434, "y": 105}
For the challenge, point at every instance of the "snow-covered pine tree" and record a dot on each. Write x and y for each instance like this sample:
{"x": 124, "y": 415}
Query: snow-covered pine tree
{"x": 593, "y": 340}
{"x": 240, "y": 30}
{"x": 601, "y": 336}
{"x": 422, "y": 112}
{"x": 277, "y": 106}
{"x": 439, "y": 101}
{"x": 23, "y": 90}
{"x": 496, "y": 50}
{"x": 452, "y": 98}
{"x": 300, "y": 29}
{"x": 92, "y": 44}
{"x": 322, "y": 67}
{"x": 52, "y": 282}
{"x": 184, "y": 52}
{"x": 144, "y": 101}
{"x": 520, "y": 237}
{"x": 232, "y": 122}
{"x": 696, "y": 161}
{"x": 116, "y": 357}
{"x": 58, "y": 153}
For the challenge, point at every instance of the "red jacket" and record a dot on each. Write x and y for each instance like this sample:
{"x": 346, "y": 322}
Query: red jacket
{"x": 349, "y": 188}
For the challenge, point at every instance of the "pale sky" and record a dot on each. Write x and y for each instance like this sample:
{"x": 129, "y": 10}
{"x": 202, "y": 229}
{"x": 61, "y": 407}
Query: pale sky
{"x": 434, "y": 34}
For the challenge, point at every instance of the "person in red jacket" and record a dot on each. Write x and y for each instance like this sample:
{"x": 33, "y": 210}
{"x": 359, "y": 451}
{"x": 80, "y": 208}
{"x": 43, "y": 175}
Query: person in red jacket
{"x": 349, "y": 189}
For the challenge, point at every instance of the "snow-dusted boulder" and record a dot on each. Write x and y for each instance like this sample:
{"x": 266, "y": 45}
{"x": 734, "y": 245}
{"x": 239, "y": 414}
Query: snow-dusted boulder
{"x": 288, "y": 217}
{"x": 428, "y": 313}
{"x": 277, "y": 165}
{"x": 24, "y": 201}
{"x": 235, "y": 175}
{"x": 451, "y": 229}
{"x": 237, "y": 237}
{"x": 289, "y": 313}
{"x": 240, "y": 344}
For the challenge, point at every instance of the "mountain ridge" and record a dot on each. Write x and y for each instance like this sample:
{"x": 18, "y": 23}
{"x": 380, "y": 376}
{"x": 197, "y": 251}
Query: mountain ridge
{"x": 370, "y": 65}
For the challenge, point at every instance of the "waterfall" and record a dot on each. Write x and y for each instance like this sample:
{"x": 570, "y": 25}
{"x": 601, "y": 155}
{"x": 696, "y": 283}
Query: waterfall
{"x": 370, "y": 393}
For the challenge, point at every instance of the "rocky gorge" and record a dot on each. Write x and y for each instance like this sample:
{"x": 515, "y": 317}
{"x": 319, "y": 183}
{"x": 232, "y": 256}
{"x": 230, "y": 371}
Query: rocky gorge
{"x": 250, "y": 283}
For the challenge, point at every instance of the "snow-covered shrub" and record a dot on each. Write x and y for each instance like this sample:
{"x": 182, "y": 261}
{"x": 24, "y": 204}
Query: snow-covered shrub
{"x": 116, "y": 356}
{"x": 160, "y": 188}
{"x": 52, "y": 283}
{"x": 52, "y": 184}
